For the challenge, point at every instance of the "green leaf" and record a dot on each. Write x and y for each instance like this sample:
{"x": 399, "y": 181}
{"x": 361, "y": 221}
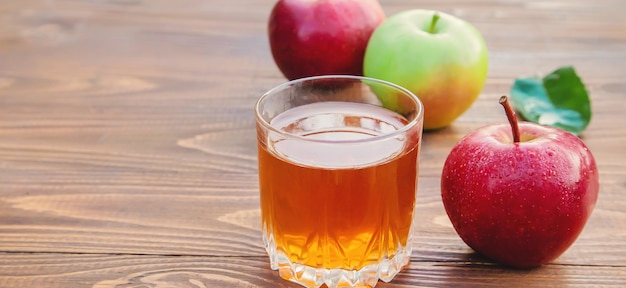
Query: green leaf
{"x": 559, "y": 99}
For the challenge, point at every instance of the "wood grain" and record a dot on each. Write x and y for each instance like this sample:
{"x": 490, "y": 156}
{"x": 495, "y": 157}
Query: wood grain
{"x": 128, "y": 154}
{"x": 201, "y": 271}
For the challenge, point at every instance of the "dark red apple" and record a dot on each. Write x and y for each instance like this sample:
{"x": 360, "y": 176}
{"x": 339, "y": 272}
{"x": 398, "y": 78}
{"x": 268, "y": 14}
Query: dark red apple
{"x": 519, "y": 195}
{"x": 321, "y": 37}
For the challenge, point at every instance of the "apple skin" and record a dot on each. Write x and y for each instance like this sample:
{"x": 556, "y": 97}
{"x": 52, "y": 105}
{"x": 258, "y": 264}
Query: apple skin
{"x": 322, "y": 37}
{"x": 446, "y": 69}
{"x": 521, "y": 204}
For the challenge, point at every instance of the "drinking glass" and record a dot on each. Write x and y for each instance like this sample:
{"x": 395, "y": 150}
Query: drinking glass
{"x": 338, "y": 170}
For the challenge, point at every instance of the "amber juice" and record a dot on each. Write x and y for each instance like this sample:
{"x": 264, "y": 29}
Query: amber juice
{"x": 338, "y": 195}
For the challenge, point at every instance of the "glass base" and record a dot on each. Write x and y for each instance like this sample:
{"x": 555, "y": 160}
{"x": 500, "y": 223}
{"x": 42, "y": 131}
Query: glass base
{"x": 367, "y": 276}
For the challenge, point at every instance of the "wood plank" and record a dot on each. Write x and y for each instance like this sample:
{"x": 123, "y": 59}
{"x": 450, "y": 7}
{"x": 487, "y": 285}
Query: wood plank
{"x": 222, "y": 218}
{"x": 110, "y": 271}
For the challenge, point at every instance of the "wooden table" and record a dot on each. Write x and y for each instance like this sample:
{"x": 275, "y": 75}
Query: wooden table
{"x": 127, "y": 142}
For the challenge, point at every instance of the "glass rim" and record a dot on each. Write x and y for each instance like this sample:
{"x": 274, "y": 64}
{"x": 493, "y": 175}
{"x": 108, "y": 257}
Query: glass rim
{"x": 408, "y": 126}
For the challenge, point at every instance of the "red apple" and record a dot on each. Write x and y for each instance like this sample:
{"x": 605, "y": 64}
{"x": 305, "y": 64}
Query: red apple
{"x": 321, "y": 37}
{"x": 520, "y": 198}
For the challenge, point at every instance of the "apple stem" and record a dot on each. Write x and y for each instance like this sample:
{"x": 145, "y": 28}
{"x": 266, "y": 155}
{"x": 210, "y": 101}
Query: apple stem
{"x": 504, "y": 101}
{"x": 433, "y": 23}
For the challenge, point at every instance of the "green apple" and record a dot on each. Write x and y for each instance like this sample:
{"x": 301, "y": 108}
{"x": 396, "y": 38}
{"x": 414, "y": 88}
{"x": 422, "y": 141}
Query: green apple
{"x": 439, "y": 57}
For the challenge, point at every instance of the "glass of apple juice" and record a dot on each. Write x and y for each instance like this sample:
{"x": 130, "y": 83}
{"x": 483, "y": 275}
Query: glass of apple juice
{"x": 338, "y": 167}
